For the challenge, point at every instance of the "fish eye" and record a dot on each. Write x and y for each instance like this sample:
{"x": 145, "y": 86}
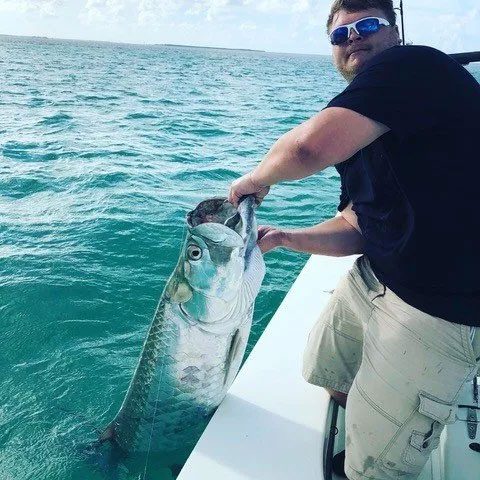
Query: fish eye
{"x": 194, "y": 252}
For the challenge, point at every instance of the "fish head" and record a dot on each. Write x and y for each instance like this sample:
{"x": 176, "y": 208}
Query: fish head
{"x": 241, "y": 220}
{"x": 213, "y": 260}
{"x": 214, "y": 254}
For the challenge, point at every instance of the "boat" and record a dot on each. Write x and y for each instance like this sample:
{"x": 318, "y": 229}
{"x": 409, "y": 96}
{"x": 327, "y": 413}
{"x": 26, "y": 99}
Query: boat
{"x": 273, "y": 425}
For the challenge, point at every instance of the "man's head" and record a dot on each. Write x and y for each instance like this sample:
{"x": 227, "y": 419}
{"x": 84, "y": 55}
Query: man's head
{"x": 351, "y": 55}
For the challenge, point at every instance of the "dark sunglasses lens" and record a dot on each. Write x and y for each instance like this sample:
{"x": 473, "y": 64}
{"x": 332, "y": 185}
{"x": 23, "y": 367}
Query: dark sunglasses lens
{"x": 339, "y": 36}
{"x": 368, "y": 26}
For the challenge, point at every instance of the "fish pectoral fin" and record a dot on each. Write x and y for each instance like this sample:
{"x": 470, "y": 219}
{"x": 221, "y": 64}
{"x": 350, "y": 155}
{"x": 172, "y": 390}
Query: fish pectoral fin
{"x": 252, "y": 277}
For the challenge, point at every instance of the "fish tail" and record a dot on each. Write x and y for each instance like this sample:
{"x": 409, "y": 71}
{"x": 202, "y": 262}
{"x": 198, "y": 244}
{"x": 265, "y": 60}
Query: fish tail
{"x": 246, "y": 209}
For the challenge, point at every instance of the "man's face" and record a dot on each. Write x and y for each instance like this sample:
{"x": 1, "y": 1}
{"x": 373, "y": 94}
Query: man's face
{"x": 350, "y": 56}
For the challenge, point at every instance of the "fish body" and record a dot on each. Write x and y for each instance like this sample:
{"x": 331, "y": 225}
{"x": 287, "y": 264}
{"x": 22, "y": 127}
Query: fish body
{"x": 197, "y": 339}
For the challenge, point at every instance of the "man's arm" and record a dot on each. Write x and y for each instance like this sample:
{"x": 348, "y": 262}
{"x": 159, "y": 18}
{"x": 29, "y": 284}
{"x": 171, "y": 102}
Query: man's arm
{"x": 330, "y": 137}
{"x": 350, "y": 216}
{"x": 335, "y": 238}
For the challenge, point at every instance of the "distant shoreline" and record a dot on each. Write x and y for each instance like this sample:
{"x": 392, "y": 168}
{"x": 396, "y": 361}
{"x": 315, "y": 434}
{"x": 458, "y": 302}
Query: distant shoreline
{"x": 170, "y": 45}
{"x": 37, "y": 37}
{"x": 211, "y": 48}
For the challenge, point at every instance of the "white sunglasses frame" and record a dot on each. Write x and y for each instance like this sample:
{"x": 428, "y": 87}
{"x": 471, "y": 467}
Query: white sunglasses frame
{"x": 350, "y": 26}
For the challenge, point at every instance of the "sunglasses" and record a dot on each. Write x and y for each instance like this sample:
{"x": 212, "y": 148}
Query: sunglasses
{"x": 364, "y": 27}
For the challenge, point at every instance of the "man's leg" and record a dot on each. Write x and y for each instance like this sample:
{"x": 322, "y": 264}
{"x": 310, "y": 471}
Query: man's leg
{"x": 405, "y": 391}
{"x": 334, "y": 349}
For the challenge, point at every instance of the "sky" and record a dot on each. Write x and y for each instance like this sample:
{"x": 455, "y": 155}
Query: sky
{"x": 293, "y": 26}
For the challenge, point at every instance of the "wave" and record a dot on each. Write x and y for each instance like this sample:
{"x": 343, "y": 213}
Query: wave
{"x": 57, "y": 119}
{"x": 140, "y": 116}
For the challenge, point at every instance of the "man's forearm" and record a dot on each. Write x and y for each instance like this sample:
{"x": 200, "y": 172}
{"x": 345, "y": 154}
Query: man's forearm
{"x": 335, "y": 238}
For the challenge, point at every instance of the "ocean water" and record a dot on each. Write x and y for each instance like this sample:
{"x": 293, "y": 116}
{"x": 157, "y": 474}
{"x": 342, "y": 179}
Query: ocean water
{"x": 103, "y": 150}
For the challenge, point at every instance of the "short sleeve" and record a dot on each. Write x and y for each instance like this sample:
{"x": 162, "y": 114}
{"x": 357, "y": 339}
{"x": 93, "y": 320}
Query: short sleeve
{"x": 408, "y": 89}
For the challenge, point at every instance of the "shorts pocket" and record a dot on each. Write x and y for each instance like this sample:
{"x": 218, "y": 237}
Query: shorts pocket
{"x": 434, "y": 408}
{"x": 435, "y": 414}
{"x": 411, "y": 446}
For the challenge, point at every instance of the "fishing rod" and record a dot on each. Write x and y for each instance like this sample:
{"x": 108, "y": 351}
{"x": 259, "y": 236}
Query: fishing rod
{"x": 403, "y": 23}
{"x": 400, "y": 9}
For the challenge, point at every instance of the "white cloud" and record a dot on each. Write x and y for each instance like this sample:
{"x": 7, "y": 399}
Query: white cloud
{"x": 248, "y": 26}
{"x": 44, "y": 7}
{"x": 150, "y": 11}
{"x": 450, "y": 32}
{"x": 208, "y": 8}
{"x": 280, "y": 6}
{"x": 103, "y": 11}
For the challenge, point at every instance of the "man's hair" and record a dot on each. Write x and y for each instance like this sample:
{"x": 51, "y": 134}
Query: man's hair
{"x": 359, "y": 5}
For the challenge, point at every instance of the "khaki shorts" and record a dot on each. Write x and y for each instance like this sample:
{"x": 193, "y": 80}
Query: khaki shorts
{"x": 403, "y": 370}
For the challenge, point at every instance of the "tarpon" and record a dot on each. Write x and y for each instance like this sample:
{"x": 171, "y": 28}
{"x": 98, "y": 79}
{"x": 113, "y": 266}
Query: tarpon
{"x": 198, "y": 336}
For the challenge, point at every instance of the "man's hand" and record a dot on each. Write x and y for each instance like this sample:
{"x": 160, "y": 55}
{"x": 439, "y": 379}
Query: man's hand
{"x": 247, "y": 185}
{"x": 269, "y": 238}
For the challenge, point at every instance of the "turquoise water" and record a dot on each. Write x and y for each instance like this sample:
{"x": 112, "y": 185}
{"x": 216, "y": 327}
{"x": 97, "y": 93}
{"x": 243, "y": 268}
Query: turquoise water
{"x": 103, "y": 150}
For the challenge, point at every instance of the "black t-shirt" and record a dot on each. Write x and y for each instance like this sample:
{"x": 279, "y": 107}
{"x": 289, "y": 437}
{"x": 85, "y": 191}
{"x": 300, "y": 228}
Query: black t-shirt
{"x": 415, "y": 189}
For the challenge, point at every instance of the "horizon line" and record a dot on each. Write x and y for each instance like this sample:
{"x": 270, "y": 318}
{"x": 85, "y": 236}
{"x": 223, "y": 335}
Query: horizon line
{"x": 112, "y": 42}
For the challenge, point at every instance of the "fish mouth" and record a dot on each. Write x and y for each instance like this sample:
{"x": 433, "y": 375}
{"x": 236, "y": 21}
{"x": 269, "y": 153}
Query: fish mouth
{"x": 214, "y": 210}
{"x": 217, "y": 220}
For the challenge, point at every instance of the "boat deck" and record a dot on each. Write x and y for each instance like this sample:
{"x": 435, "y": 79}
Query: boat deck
{"x": 270, "y": 425}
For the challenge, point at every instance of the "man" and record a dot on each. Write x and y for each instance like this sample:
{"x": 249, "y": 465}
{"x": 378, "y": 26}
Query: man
{"x": 398, "y": 333}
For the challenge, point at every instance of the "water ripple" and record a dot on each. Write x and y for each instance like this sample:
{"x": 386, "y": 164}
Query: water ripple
{"x": 103, "y": 151}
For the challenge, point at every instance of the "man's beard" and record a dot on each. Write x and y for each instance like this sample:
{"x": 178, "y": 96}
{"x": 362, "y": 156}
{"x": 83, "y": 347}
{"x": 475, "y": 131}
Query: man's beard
{"x": 349, "y": 73}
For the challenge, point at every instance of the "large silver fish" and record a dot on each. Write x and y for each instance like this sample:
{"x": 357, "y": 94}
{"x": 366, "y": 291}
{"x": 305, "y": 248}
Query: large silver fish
{"x": 198, "y": 336}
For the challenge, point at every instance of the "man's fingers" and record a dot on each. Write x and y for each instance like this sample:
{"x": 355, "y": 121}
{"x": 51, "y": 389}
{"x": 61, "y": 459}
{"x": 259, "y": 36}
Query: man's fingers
{"x": 262, "y": 244}
{"x": 246, "y": 186}
{"x": 233, "y": 197}
{"x": 263, "y": 230}
{"x": 268, "y": 238}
